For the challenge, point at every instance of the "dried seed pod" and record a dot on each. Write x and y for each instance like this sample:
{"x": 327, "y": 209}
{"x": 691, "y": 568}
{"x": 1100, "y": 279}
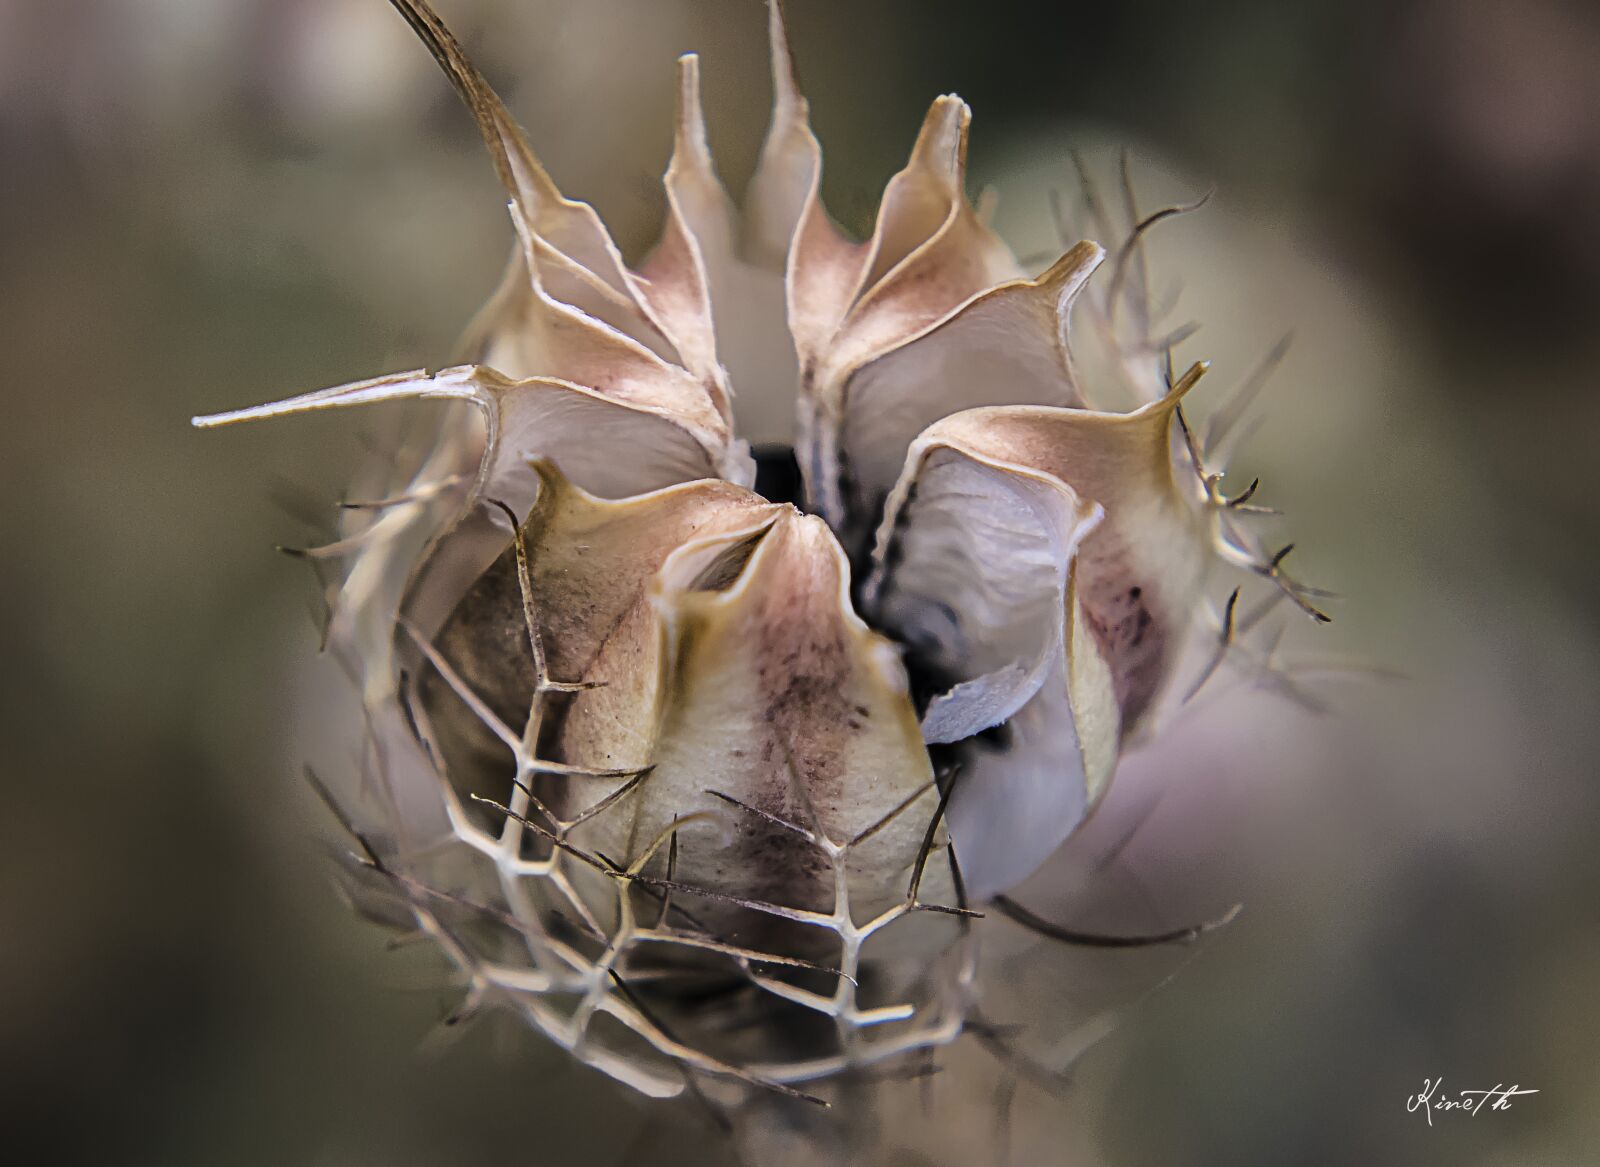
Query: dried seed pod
{"x": 701, "y": 781}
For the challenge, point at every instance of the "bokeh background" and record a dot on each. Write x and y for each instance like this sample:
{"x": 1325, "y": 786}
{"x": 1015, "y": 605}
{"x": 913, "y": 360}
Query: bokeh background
{"x": 209, "y": 203}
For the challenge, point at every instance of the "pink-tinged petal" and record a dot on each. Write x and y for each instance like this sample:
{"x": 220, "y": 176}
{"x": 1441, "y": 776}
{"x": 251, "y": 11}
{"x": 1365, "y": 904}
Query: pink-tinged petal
{"x": 784, "y": 184}
{"x": 490, "y": 338}
{"x": 591, "y": 562}
{"x": 921, "y": 198}
{"x": 737, "y": 259}
{"x": 613, "y": 446}
{"x": 421, "y": 555}
{"x": 551, "y": 339}
{"x": 1041, "y": 565}
{"x": 569, "y": 239}
{"x": 674, "y": 282}
{"x": 977, "y": 582}
{"x": 593, "y": 343}
{"x": 1009, "y": 346}
{"x": 775, "y": 694}
{"x": 929, "y": 253}
{"x": 785, "y": 217}
{"x": 1140, "y": 573}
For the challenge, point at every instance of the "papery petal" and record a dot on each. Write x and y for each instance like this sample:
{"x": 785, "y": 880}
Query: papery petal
{"x": 1017, "y": 800}
{"x": 421, "y": 555}
{"x": 555, "y": 340}
{"x": 784, "y": 184}
{"x": 490, "y": 339}
{"x": 776, "y": 694}
{"x": 741, "y": 256}
{"x": 569, "y": 236}
{"x": 926, "y": 196}
{"x": 591, "y": 561}
{"x": 929, "y": 253}
{"x": 1046, "y": 561}
{"x": 1140, "y": 572}
{"x": 824, "y": 268}
{"x": 616, "y": 724}
{"x": 611, "y": 445}
{"x": 675, "y": 282}
{"x": 981, "y": 592}
{"x": 1006, "y": 347}
{"x": 982, "y": 553}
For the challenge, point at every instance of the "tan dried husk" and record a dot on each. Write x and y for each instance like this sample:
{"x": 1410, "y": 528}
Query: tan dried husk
{"x": 651, "y": 774}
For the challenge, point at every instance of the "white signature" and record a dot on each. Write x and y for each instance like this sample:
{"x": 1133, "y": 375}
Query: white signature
{"x": 1470, "y": 1101}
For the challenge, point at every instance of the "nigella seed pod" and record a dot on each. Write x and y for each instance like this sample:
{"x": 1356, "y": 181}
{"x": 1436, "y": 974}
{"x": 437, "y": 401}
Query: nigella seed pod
{"x": 699, "y": 781}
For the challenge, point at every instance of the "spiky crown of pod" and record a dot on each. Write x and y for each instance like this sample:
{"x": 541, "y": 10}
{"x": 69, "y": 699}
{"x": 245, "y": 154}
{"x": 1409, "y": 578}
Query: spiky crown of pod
{"x": 662, "y": 759}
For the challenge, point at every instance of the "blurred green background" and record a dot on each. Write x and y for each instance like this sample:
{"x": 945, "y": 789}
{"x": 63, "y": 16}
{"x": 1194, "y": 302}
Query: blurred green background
{"x": 211, "y": 203}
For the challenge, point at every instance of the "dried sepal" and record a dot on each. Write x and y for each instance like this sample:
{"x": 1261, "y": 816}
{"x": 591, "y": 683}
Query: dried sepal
{"x": 1140, "y": 574}
{"x": 1006, "y": 346}
{"x": 1042, "y": 563}
{"x": 779, "y": 694}
{"x": 590, "y": 563}
{"x": 928, "y": 253}
{"x": 536, "y": 418}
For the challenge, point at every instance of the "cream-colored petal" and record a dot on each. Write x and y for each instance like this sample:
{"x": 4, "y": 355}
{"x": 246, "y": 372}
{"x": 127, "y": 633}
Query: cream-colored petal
{"x": 785, "y": 216}
{"x": 786, "y": 173}
{"x": 555, "y": 340}
{"x": 981, "y": 554}
{"x": 1009, "y": 346}
{"x": 698, "y": 197}
{"x": 674, "y": 280}
{"x": 676, "y": 310}
{"x": 775, "y": 694}
{"x": 1139, "y": 574}
{"x": 980, "y": 593}
{"x": 962, "y": 261}
{"x": 828, "y": 276}
{"x": 610, "y": 446}
{"x": 930, "y": 253}
{"x": 743, "y": 281}
{"x": 922, "y": 197}
{"x": 591, "y": 561}
{"x": 491, "y": 337}
{"x": 1041, "y": 565}
{"x": 423, "y": 554}
{"x": 592, "y": 558}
